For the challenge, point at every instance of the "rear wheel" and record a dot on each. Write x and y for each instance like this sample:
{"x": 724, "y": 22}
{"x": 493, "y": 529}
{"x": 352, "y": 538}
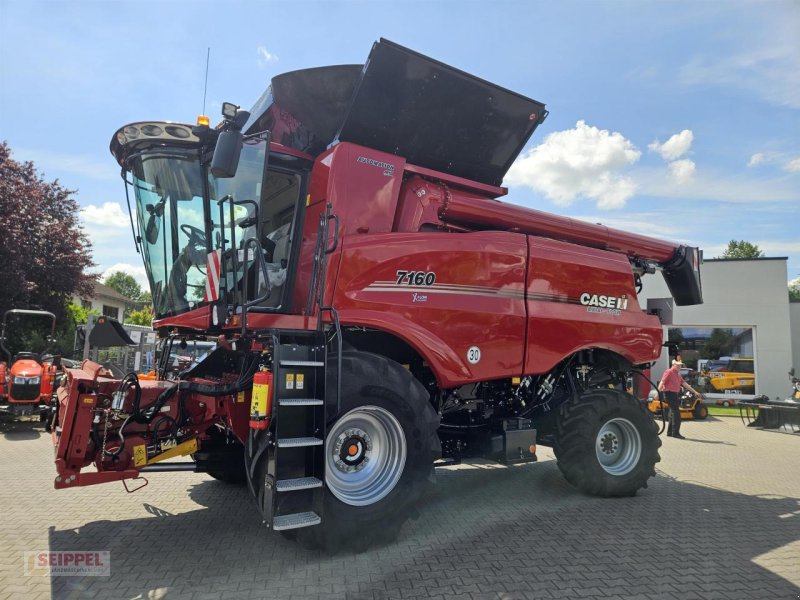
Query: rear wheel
{"x": 606, "y": 443}
{"x": 379, "y": 453}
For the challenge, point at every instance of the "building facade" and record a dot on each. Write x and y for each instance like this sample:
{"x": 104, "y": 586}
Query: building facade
{"x": 743, "y": 339}
{"x": 105, "y": 301}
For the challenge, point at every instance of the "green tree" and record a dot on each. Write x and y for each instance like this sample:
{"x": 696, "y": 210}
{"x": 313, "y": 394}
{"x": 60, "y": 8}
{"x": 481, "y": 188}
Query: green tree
{"x": 719, "y": 343}
{"x": 143, "y": 316}
{"x": 794, "y": 290}
{"x": 742, "y": 249}
{"x": 44, "y": 253}
{"x": 124, "y": 284}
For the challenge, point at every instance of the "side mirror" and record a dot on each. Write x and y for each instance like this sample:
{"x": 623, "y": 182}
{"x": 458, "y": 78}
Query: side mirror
{"x": 791, "y": 372}
{"x": 151, "y": 229}
{"x": 226, "y": 154}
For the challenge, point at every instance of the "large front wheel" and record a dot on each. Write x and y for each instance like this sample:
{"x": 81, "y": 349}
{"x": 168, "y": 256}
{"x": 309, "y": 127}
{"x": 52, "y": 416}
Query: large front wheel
{"x": 606, "y": 443}
{"x": 379, "y": 453}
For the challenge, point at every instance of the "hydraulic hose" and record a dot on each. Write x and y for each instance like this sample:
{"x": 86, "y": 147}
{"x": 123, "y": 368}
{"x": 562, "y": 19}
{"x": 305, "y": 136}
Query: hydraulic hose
{"x": 660, "y": 399}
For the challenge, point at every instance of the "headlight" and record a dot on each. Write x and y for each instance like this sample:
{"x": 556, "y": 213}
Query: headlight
{"x": 27, "y": 380}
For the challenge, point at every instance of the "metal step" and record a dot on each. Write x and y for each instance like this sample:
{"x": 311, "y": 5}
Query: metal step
{"x": 300, "y": 402}
{"x": 298, "y": 442}
{"x": 301, "y": 483}
{"x": 295, "y": 521}
{"x": 302, "y": 363}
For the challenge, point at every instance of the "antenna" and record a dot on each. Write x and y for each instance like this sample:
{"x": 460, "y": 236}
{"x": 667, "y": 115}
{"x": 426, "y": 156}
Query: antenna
{"x": 205, "y": 88}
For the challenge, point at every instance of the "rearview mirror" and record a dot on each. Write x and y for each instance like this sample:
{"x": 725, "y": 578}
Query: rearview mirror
{"x": 226, "y": 154}
{"x": 152, "y": 228}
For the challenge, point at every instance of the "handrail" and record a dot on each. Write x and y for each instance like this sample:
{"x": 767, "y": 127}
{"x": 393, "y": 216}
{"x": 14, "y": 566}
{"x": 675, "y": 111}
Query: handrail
{"x": 245, "y": 277}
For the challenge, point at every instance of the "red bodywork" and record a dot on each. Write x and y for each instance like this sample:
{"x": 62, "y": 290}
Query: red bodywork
{"x": 88, "y": 391}
{"x": 513, "y": 294}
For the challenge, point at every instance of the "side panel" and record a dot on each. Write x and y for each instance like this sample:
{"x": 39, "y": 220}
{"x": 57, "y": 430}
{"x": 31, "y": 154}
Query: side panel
{"x": 443, "y": 293}
{"x": 579, "y": 297}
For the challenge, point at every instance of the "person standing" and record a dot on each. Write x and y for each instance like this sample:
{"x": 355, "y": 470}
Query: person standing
{"x": 670, "y": 385}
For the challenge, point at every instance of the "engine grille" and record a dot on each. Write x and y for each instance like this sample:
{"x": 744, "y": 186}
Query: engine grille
{"x": 25, "y": 392}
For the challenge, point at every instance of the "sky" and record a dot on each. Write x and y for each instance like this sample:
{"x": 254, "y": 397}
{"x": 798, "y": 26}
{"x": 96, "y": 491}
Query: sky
{"x": 679, "y": 120}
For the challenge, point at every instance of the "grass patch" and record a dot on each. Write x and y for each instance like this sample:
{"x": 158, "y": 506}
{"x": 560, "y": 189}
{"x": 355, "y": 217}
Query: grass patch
{"x": 723, "y": 411}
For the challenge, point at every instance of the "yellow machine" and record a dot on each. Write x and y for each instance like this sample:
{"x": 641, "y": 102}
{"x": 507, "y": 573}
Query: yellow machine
{"x": 737, "y": 375}
{"x": 692, "y": 407}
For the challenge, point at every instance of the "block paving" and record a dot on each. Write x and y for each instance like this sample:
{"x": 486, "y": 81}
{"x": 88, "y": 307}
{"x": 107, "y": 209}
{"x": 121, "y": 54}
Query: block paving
{"x": 720, "y": 520}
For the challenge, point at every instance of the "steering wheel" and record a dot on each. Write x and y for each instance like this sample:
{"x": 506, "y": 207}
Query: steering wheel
{"x": 197, "y": 237}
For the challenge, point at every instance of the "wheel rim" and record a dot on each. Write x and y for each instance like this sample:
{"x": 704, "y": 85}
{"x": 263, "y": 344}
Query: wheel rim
{"x": 618, "y": 447}
{"x": 365, "y": 455}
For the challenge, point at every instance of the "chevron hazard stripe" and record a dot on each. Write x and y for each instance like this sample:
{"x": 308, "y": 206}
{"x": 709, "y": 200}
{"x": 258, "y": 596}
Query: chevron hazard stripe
{"x": 212, "y": 276}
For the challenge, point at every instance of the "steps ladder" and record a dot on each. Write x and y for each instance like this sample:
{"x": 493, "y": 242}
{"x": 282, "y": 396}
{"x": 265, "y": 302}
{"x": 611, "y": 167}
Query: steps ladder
{"x": 297, "y": 466}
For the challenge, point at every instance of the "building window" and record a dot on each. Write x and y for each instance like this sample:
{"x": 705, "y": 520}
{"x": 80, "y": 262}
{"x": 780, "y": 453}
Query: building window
{"x": 719, "y": 360}
{"x": 111, "y": 311}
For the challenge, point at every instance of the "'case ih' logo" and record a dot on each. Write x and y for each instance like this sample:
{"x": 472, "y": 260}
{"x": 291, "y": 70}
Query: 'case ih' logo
{"x": 388, "y": 168}
{"x": 617, "y": 302}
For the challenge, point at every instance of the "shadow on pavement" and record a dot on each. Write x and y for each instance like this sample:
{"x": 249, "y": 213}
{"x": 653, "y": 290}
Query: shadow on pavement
{"x": 20, "y": 430}
{"x": 501, "y": 532}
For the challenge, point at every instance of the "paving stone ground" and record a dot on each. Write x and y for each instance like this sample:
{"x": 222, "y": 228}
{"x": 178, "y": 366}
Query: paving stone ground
{"x": 721, "y": 520}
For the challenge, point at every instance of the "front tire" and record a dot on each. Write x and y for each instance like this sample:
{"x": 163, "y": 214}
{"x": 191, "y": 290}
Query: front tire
{"x": 379, "y": 453}
{"x": 606, "y": 443}
{"x": 700, "y": 411}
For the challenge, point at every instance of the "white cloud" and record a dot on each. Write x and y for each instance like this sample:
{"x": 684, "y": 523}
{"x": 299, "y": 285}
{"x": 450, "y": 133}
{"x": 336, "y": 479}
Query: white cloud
{"x": 769, "y": 70}
{"x": 793, "y": 166}
{"x": 580, "y": 162}
{"x": 682, "y": 171}
{"x": 675, "y": 147}
{"x": 138, "y": 273}
{"x": 110, "y": 214}
{"x": 717, "y": 186}
{"x": 756, "y": 159}
{"x": 265, "y": 57}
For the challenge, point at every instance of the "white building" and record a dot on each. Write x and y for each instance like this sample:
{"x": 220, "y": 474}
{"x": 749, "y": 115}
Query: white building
{"x": 746, "y": 301}
{"x": 106, "y": 301}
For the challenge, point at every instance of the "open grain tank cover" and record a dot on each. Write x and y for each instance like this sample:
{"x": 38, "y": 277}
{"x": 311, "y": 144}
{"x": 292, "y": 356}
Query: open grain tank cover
{"x": 438, "y": 117}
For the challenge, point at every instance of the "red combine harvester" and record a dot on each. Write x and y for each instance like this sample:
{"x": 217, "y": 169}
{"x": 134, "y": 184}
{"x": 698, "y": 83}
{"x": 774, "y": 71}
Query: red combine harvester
{"x": 377, "y": 310}
{"x": 26, "y": 381}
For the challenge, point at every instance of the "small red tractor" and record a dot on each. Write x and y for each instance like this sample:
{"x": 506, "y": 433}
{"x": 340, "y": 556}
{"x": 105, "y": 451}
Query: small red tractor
{"x": 377, "y": 310}
{"x": 26, "y": 380}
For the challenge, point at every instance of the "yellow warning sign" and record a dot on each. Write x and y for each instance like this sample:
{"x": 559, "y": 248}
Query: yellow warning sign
{"x": 290, "y": 381}
{"x": 139, "y": 455}
{"x": 300, "y": 378}
{"x": 240, "y": 397}
{"x": 258, "y": 401}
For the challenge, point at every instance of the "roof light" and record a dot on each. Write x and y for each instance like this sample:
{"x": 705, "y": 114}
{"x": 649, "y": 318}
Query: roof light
{"x": 229, "y": 110}
{"x": 203, "y": 121}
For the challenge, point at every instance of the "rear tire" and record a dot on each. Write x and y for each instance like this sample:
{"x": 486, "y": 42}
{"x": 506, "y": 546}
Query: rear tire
{"x": 386, "y": 406}
{"x": 606, "y": 443}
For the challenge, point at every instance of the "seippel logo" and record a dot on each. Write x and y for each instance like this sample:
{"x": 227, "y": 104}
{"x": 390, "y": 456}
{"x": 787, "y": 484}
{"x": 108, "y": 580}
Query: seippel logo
{"x": 388, "y": 168}
{"x": 618, "y": 302}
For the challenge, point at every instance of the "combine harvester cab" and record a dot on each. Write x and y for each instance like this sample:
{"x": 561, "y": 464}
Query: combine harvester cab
{"x": 377, "y": 310}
